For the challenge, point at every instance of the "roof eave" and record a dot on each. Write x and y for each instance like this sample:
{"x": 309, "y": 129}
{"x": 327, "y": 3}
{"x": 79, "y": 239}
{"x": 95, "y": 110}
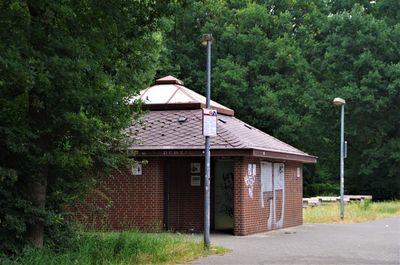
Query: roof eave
{"x": 185, "y": 106}
{"x": 182, "y": 151}
{"x": 190, "y": 152}
{"x": 307, "y": 159}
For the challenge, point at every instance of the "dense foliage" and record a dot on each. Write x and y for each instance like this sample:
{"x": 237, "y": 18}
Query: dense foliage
{"x": 279, "y": 64}
{"x": 67, "y": 70}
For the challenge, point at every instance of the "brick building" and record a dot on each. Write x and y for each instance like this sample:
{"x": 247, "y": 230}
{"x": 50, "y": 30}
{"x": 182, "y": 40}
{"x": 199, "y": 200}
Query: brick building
{"x": 256, "y": 179}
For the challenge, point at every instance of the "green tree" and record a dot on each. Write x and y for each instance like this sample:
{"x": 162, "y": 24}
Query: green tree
{"x": 261, "y": 54}
{"x": 67, "y": 70}
{"x": 279, "y": 64}
{"x": 360, "y": 61}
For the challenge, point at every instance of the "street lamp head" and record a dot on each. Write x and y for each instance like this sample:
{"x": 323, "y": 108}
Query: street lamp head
{"x": 206, "y": 38}
{"x": 339, "y": 101}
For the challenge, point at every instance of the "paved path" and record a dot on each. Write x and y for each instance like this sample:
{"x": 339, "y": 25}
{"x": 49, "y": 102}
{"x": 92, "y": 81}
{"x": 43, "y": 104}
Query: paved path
{"x": 375, "y": 243}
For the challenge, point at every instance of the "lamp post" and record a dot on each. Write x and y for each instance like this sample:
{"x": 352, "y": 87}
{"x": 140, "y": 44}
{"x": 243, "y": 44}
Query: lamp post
{"x": 341, "y": 102}
{"x": 207, "y": 40}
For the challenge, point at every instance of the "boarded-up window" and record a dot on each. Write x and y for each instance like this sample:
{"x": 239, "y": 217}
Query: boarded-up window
{"x": 266, "y": 176}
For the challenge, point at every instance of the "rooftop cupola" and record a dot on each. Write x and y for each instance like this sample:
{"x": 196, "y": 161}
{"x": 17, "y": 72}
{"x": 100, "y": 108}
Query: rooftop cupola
{"x": 169, "y": 79}
{"x": 169, "y": 93}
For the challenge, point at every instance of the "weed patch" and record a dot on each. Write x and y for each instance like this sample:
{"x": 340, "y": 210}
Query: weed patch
{"x": 98, "y": 248}
{"x": 355, "y": 212}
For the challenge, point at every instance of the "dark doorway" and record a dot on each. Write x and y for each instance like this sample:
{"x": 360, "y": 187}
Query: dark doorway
{"x": 223, "y": 192}
{"x": 183, "y": 195}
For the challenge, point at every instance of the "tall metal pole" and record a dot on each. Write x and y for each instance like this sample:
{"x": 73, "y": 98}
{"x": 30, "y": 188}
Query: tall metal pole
{"x": 342, "y": 164}
{"x": 207, "y": 155}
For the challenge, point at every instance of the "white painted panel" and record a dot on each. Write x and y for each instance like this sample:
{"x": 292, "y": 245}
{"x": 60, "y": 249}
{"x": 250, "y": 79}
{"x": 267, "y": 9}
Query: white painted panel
{"x": 266, "y": 176}
{"x": 279, "y": 175}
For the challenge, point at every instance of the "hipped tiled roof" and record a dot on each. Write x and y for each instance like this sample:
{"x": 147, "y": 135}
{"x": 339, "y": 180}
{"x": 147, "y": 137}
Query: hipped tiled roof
{"x": 174, "y": 123}
{"x": 162, "y": 130}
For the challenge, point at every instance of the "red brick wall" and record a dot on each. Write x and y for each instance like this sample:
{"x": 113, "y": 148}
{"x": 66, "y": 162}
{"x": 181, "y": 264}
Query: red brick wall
{"x": 137, "y": 201}
{"x": 250, "y": 217}
{"x": 294, "y": 195}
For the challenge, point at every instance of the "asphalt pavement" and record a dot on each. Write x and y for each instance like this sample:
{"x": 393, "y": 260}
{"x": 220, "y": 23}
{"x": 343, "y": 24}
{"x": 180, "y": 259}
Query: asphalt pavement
{"x": 375, "y": 243}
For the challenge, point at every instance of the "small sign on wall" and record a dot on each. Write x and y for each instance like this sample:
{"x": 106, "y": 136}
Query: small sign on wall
{"x": 195, "y": 180}
{"x": 195, "y": 167}
{"x": 298, "y": 172}
{"x": 137, "y": 170}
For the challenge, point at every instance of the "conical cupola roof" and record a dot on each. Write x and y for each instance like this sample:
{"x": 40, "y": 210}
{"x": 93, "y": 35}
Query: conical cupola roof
{"x": 170, "y": 93}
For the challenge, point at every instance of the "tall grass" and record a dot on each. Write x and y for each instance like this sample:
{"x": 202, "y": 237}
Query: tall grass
{"x": 117, "y": 248}
{"x": 355, "y": 212}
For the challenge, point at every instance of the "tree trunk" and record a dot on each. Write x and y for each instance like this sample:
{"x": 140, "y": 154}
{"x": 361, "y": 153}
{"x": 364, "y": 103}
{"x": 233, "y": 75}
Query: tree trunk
{"x": 35, "y": 232}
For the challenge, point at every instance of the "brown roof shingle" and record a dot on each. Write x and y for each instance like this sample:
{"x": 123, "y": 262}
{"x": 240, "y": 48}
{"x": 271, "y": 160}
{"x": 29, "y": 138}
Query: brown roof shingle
{"x": 162, "y": 130}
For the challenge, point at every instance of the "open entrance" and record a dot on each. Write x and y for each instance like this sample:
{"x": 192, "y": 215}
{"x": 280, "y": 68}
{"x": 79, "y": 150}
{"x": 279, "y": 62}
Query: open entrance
{"x": 223, "y": 196}
{"x": 183, "y": 195}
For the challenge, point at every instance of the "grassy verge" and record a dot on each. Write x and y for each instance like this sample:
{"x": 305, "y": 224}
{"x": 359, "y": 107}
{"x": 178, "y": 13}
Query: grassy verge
{"x": 118, "y": 248}
{"x": 356, "y": 212}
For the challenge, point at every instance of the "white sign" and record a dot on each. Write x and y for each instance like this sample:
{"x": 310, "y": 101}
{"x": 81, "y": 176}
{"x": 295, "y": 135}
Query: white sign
{"x": 194, "y": 167}
{"x": 137, "y": 169}
{"x": 209, "y": 122}
{"x": 195, "y": 180}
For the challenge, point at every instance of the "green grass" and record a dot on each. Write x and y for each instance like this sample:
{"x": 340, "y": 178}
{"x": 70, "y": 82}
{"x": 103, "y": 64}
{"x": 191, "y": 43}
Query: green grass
{"x": 356, "y": 212}
{"x": 97, "y": 248}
